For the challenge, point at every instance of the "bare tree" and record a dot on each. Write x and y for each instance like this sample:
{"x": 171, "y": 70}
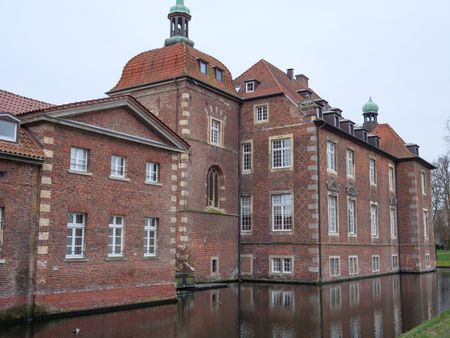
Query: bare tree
{"x": 440, "y": 186}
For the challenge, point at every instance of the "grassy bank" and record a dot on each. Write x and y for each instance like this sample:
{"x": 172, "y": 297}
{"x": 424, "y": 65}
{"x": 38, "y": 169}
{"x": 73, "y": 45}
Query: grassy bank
{"x": 435, "y": 327}
{"x": 443, "y": 258}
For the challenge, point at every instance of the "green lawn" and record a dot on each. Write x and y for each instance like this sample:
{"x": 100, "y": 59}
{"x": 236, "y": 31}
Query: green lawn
{"x": 435, "y": 327}
{"x": 443, "y": 258}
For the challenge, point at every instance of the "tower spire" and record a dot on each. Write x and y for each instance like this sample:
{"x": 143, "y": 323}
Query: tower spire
{"x": 370, "y": 113}
{"x": 179, "y": 17}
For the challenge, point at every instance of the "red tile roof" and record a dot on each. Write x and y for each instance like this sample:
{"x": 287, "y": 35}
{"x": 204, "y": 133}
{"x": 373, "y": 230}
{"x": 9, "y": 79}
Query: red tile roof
{"x": 391, "y": 142}
{"x": 16, "y": 104}
{"x": 27, "y": 146}
{"x": 271, "y": 81}
{"x": 170, "y": 62}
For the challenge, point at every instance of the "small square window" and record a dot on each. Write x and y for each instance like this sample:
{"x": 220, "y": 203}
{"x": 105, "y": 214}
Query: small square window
{"x": 250, "y": 87}
{"x": 203, "y": 67}
{"x": 261, "y": 113}
{"x": 219, "y": 74}
{"x": 8, "y": 130}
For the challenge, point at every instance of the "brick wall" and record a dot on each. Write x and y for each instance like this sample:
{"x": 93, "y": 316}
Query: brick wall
{"x": 18, "y": 187}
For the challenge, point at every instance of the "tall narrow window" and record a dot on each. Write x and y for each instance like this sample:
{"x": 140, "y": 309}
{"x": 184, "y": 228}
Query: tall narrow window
{"x": 393, "y": 223}
{"x": 335, "y": 266}
{"x": 246, "y": 213}
{"x": 351, "y": 208}
{"x": 281, "y": 153}
{"x": 374, "y": 220}
{"x": 150, "y": 228}
{"x": 214, "y": 265}
{"x": 331, "y": 156}
{"x": 425, "y": 224}
{"x": 75, "y": 235}
{"x": 350, "y": 163}
{"x": 115, "y": 237}
{"x": 391, "y": 179}
{"x": 261, "y": 113}
{"x": 424, "y": 183}
{"x": 394, "y": 262}
{"x": 213, "y": 188}
{"x": 373, "y": 171}
{"x": 118, "y": 164}
{"x": 1, "y": 230}
{"x": 282, "y": 212}
{"x": 332, "y": 215}
{"x": 375, "y": 263}
{"x": 152, "y": 172}
{"x": 353, "y": 265}
{"x": 79, "y": 159}
{"x": 246, "y": 157}
{"x": 215, "y": 136}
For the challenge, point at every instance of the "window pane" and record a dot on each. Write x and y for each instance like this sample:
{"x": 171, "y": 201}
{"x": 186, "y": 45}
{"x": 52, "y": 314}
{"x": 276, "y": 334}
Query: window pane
{"x": 8, "y": 130}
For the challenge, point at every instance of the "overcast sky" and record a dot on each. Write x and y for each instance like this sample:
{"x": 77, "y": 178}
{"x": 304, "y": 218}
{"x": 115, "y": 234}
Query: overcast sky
{"x": 397, "y": 51}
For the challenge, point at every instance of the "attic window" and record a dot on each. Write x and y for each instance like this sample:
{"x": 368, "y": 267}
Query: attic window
{"x": 351, "y": 129}
{"x": 336, "y": 121}
{"x": 203, "y": 66}
{"x": 8, "y": 128}
{"x": 319, "y": 112}
{"x": 219, "y": 74}
{"x": 250, "y": 87}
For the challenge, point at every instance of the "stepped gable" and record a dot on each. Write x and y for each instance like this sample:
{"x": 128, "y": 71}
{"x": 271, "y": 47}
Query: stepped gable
{"x": 271, "y": 81}
{"x": 16, "y": 104}
{"x": 391, "y": 142}
{"x": 167, "y": 63}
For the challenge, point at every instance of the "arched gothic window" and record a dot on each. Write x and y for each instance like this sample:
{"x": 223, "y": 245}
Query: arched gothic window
{"x": 213, "y": 187}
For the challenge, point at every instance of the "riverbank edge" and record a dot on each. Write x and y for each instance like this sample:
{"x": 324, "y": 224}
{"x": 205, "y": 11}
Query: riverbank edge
{"x": 438, "y": 326}
{"x": 89, "y": 312}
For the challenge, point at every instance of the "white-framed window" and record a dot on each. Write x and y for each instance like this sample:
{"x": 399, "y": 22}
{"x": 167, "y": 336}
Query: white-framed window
{"x": 281, "y": 153}
{"x": 423, "y": 179}
{"x": 115, "y": 236}
{"x": 375, "y": 263}
{"x": 246, "y": 213}
{"x": 118, "y": 166}
{"x": 332, "y": 214}
{"x": 351, "y": 216}
{"x": 393, "y": 217}
{"x": 150, "y": 236}
{"x": 219, "y": 74}
{"x": 215, "y": 136}
{"x": 428, "y": 260}
{"x": 353, "y": 268}
{"x": 152, "y": 172}
{"x": 214, "y": 265}
{"x": 395, "y": 262}
{"x": 250, "y": 87}
{"x": 373, "y": 171}
{"x": 426, "y": 230}
{"x": 203, "y": 65}
{"x": 350, "y": 163}
{"x": 246, "y": 157}
{"x": 79, "y": 158}
{"x": 8, "y": 130}
{"x": 1, "y": 230}
{"x": 391, "y": 178}
{"x": 76, "y": 224}
{"x": 282, "y": 212}
{"x": 282, "y": 265}
{"x": 335, "y": 266}
{"x": 331, "y": 156}
{"x": 374, "y": 220}
{"x": 261, "y": 113}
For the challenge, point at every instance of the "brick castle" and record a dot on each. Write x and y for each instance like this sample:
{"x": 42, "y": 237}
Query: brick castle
{"x": 183, "y": 171}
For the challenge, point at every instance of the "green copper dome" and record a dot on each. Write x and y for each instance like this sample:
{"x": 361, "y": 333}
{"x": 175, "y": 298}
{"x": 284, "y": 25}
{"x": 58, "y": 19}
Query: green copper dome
{"x": 370, "y": 107}
{"x": 179, "y": 8}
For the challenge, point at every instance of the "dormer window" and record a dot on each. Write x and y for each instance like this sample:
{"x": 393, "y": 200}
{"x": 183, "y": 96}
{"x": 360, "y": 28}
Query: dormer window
{"x": 319, "y": 111}
{"x": 336, "y": 121}
{"x": 250, "y": 87}
{"x": 351, "y": 128}
{"x": 203, "y": 66}
{"x": 8, "y": 127}
{"x": 219, "y": 74}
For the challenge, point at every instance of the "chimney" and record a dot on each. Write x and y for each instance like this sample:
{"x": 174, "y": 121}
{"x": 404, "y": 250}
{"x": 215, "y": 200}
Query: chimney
{"x": 302, "y": 80}
{"x": 414, "y": 148}
{"x": 290, "y": 73}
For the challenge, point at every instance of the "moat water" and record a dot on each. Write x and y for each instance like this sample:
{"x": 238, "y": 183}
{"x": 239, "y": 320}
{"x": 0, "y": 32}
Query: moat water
{"x": 377, "y": 307}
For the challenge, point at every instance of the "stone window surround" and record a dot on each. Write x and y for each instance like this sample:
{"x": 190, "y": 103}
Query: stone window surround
{"x": 282, "y": 258}
{"x": 282, "y": 232}
{"x": 350, "y": 258}
{"x": 281, "y": 137}
{"x": 372, "y": 234}
{"x": 220, "y": 131}
{"x": 333, "y": 142}
{"x": 247, "y": 232}
{"x": 250, "y": 141}
{"x": 333, "y": 273}
{"x": 251, "y": 265}
{"x": 376, "y": 267}
{"x": 355, "y": 234}
{"x": 336, "y": 195}
{"x": 255, "y": 113}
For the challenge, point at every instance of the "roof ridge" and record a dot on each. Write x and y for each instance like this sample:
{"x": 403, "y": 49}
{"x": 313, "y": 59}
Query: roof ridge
{"x": 266, "y": 64}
